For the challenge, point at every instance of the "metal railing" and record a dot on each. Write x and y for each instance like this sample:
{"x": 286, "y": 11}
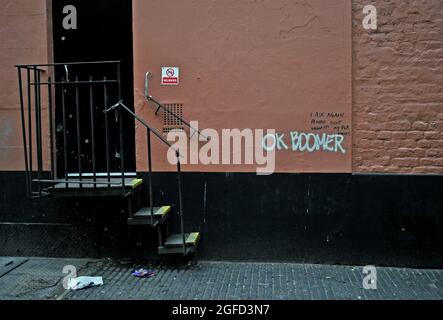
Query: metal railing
{"x": 161, "y": 106}
{"x": 71, "y": 94}
{"x": 78, "y": 98}
{"x": 149, "y": 130}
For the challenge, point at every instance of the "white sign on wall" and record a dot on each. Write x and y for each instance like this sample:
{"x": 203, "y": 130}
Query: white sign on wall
{"x": 170, "y": 76}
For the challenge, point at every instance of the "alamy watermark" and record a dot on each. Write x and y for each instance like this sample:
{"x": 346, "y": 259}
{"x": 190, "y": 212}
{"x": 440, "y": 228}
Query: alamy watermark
{"x": 370, "y": 20}
{"x": 70, "y": 19}
{"x": 370, "y": 281}
{"x": 227, "y": 147}
{"x": 71, "y": 272}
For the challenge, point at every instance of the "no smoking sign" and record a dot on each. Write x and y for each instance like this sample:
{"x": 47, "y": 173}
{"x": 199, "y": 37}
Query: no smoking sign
{"x": 170, "y": 76}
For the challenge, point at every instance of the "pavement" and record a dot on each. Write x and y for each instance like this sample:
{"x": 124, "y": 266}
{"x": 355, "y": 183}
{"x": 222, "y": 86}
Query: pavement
{"x": 42, "y": 279}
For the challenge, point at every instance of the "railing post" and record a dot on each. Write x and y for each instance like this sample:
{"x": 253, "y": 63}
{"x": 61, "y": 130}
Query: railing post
{"x": 122, "y": 149}
{"x": 38, "y": 128}
{"x": 65, "y": 136}
{"x": 28, "y": 85}
{"x": 25, "y": 145}
{"x": 51, "y": 128}
{"x": 108, "y": 161}
{"x": 148, "y": 75}
{"x": 151, "y": 197}
{"x": 91, "y": 110}
{"x": 120, "y": 116}
{"x": 79, "y": 136}
{"x": 180, "y": 198}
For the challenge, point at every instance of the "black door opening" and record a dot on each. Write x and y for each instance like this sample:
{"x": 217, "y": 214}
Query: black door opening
{"x": 104, "y": 33}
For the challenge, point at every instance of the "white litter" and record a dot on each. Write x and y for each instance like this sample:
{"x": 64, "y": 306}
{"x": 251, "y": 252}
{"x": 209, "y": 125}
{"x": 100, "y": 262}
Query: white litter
{"x": 84, "y": 282}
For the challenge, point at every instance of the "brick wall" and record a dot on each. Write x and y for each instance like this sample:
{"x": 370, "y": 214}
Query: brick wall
{"x": 398, "y": 88}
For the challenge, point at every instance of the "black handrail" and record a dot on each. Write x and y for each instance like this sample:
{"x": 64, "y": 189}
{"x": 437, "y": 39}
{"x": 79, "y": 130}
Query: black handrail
{"x": 178, "y": 155}
{"x": 183, "y": 121}
{"x": 147, "y": 126}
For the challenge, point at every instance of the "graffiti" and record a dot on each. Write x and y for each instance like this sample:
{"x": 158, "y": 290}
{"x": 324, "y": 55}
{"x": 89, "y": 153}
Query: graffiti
{"x": 254, "y": 147}
{"x": 328, "y": 132}
{"x": 330, "y": 122}
{"x": 304, "y": 142}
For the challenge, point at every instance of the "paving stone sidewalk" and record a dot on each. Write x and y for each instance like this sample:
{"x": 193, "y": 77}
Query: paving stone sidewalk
{"x": 40, "y": 278}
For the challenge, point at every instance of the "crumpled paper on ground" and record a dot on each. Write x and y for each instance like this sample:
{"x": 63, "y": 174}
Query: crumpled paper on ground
{"x": 84, "y": 282}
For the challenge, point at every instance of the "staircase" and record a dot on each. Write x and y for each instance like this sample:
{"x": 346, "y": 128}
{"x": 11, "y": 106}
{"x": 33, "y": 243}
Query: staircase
{"x": 156, "y": 218}
{"x": 81, "y": 184}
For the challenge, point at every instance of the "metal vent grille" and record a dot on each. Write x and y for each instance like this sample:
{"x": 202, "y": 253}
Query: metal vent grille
{"x": 171, "y": 123}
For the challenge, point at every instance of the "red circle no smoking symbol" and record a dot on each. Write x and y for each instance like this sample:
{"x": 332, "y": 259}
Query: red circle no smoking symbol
{"x": 170, "y": 72}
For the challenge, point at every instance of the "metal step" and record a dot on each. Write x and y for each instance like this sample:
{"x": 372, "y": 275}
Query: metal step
{"x": 101, "y": 187}
{"x": 143, "y": 216}
{"x": 174, "y": 244}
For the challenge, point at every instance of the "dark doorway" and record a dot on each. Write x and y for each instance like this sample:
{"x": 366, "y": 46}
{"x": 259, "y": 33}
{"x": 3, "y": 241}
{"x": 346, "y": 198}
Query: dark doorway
{"x": 104, "y": 33}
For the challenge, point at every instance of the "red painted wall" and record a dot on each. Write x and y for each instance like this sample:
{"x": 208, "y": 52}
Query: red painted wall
{"x": 23, "y": 40}
{"x": 269, "y": 64}
{"x": 248, "y": 64}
